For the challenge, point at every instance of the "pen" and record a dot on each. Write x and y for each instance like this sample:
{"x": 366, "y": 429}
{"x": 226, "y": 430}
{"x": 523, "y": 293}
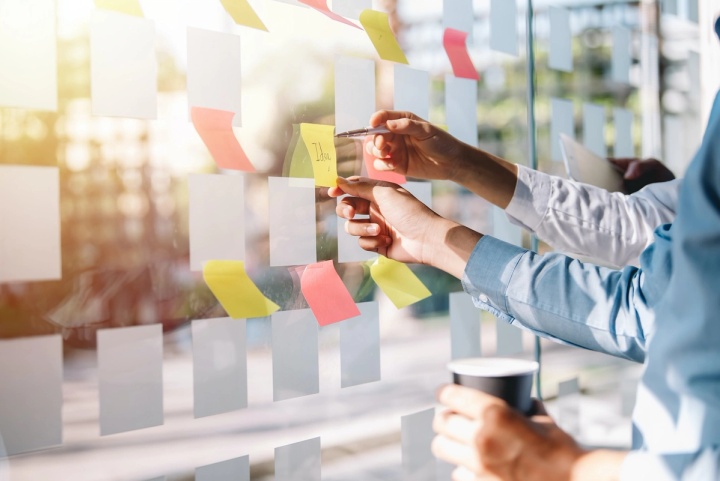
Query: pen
{"x": 363, "y": 132}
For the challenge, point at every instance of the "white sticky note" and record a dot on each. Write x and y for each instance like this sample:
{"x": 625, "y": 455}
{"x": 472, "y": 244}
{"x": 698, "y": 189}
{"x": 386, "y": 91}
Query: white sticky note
{"x": 417, "y": 434}
{"x": 351, "y": 8}
{"x": 123, "y": 67}
{"x": 505, "y": 230}
{"x": 219, "y": 366}
{"x": 354, "y": 92}
{"x": 460, "y": 108}
{"x": 348, "y": 248}
{"x": 30, "y": 220}
{"x": 295, "y": 354}
{"x": 459, "y": 14}
{"x": 237, "y": 469}
{"x": 560, "y": 57}
{"x": 674, "y": 145}
{"x": 31, "y": 394}
{"x": 292, "y": 221}
{"x": 594, "y": 129}
{"x": 360, "y": 346}
{"x": 562, "y": 122}
{"x": 508, "y": 339}
{"x": 28, "y": 54}
{"x": 569, "y": 406}
{"x": 298, "y": 461}
{"x": 412, "y": 91}
{"x": 503, "y": 26}
{"x": 216, "y": 216}
{"x": 622, "y": 43}
{"x": 421, "y": 190}
{"x": 214, "y": 76}
{"x": 464, "y": 327}
{"x": 130, "y": 362}
{"x": 623, "y": 133}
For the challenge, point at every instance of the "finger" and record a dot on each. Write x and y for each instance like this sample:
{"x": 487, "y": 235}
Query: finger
{"x": 415, "y": 128}
{"x": 467, "y": 401}
{"x": 349, "y": 207}
{"x": 335, "y": 192}
{"x": 382, "y": 116}
{"x": 377, "y": 244}
{"x": 633, "y": 171}
{"x": 621, "y": 162}
{"x": 462, "y": 474}
{"x": 455, "y": 453}
{"x": 383, "y": 165}
{"x": 455, "y": 426}
{"x": 538, "y": 408}
{"x": 362, "y": 228}
{"x": 360, "y": 186}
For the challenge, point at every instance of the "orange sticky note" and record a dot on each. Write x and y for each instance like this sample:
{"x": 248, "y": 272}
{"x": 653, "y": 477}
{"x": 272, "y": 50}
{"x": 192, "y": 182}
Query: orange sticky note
{"x": 243, "y": 14}
{"x": 373, "y": 173}
{"x": 326, "y": 294}
{"x": 234, "y": 289}
{"x": 320, "y": 143}
{"x": 321, "y": 6}
{"x": 377, "y": 26}
{"x": 456, "y": 49}
{"x": 215, "y": 129}
{"x": 398, "y": 282}
{"x": 129, "y": 7}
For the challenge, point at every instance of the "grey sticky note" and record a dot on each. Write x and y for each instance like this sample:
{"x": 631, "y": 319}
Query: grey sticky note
{"x": 569, "y": 406}
{"x": 461, "y": 108}
{"x": 237, "y": 469}
{"x": 30, "y": 220}
{"x": 669, "y": 7}
{"x": 28, "y": 54}
{"x": 560, "y": 57}
{"x": 673, "y": 145}
{"x": 299, "y": 461}
{"x": 351, "y": 8}
{"x": 622, "y": 43}
{"x": 354, "y": 92}
{"x": 562, "y": 122}
{"x": 594, "y": 129}
{"x": 459, "y": 14}
{"x": 628, "y": 396}
{"x": 292, "y": 221}
{"x": 412, "y": 91}
{"x": 295, "y": 354}
{"x": 360, "y": 346}
{"x": 623, "y": 133}
{"x": 417, "y": 434}
{"x": 31, "y": 393}
{"x": 421, "y": 190}
{"x": 503, "y": 26}
{"x": 694, "y": 89}
{"x": 464, "y": 326}
{"x": 130, "y": 377}
{"x": 505, "y": 230}
{"x": 219, "y": 366}
{"x": 444, "y": 470}
{"x": 693, "y": 12}
{"x": 508, "y": 339}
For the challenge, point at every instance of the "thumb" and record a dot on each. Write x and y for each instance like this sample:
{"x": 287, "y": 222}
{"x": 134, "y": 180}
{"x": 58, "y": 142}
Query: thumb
{"x": 359, "y": 187}
{"x": 634, "y": 170}
{"x": 413, "y": 128}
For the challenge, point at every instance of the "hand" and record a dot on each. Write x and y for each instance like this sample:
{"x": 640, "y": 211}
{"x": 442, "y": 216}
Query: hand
{"x": 641, "y": 172}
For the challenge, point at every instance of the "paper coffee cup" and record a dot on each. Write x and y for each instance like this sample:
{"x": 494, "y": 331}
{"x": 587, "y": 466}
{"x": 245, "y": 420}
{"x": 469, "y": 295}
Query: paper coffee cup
{"x": 509, "y": 379}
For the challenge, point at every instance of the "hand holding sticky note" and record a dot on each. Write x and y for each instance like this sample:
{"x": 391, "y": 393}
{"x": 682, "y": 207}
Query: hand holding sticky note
{"x": 398, "y": 282}
{"x": 320, "y": 143}
{"x": 237, "y": 293}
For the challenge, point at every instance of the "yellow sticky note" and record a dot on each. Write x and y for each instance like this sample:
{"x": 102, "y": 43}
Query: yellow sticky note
{"x": 243, "y": 13}
{"x": 320, "y": 143}
{"x": 377, "y": 26}
{"x": 297, "y": 159}
{"x": 130, "y": 7}
{"x": 237, "y": 293}
{"x": 398, "y": 282}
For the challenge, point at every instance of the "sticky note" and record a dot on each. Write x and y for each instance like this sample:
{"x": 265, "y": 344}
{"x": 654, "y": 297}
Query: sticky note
{"x": 321, "y": 6}
{"x": 320, "y": 143}
{"x": 243, "y": 14}
{"x": 623, "y": 133}
{"x": 31, "y": 395}
{"x": 219, "y": 366}
{"x": 460, "y": 108}
{"x": 360, "y": 347}
{"x": 457, "y": 52}
{"x": 292, "y": 221}
{"x": 464, "y": 326}
{"x": 215, "y": 130}
{"x": 30, "y": 220}
{"x": 235, "y": 291}
{"x": 560, "y": 57}
{"x": 348, "y": 248}
{"x": 377, "y": 26}
{"x": 562, "y": 121}
{"x": 354, "y": 92}
{"x": 216, "y": 218}
{"x": 398, "y": 282}
{"x": 594, "y": 129}
{"x": 508, "y": 340}
{"x": 295, "y": 354}
{"x": 129, "y": 7}
{"x": 421, "y": 190}
{"x": 28, "y": 54}
{"x": 130, "y": 361}
{"x": 411, "y": 91}
{"x": 674, "y": 145}
{"x": 505, "y": 230}
{"x": 326, "y": 294}
{"x": 503, "y": 26}
{"x": 297, "y": 158}
{"x": 237, "y": 469}
{"x": 458, "y": 15}
{"x": 298, "y": 461}
{"x": 569, "y": 406}
{"x": 622, "y": 43}
{"x": 417, "y": 435}
{"x": 373, "y": 173}
{"x": 214, "y": 75}
{"x": 351, "y": 8}
{"x": 123, "y": 67}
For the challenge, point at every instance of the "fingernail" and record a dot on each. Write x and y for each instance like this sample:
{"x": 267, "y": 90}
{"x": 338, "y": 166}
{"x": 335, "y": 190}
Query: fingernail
{"x": 346, "y": 212}
{"x": 390, "y": 165}
{"x": 373, "y": 230}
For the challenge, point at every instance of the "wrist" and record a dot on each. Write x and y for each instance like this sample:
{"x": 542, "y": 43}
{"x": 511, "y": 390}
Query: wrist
{"x": 448, "y": 246}
{"x": 598, "y": 465}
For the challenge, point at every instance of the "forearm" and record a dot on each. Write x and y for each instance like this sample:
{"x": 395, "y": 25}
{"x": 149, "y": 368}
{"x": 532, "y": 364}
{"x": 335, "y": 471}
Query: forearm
{"x": 450, "y": 246}
{"x": 598, "y": 465}
{"x": 486, "y": 175}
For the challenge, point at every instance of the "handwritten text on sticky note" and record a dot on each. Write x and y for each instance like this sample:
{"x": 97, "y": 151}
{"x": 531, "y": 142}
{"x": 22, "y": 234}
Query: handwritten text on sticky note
{"x": 320, "y": 143}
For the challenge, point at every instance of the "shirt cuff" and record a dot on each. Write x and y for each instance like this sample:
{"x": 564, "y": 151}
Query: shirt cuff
{"x": 531, "y": 200}
{"x": 488, "y": 274}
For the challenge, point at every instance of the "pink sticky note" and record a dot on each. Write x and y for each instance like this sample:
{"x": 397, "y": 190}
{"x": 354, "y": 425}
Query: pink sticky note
{"x": 326, "y": 294}
{"x": 321, "y": 6}
{"x": 457, "y": 52}
{"x": 215, "y": 129}
{"x": 373, "y": 173}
